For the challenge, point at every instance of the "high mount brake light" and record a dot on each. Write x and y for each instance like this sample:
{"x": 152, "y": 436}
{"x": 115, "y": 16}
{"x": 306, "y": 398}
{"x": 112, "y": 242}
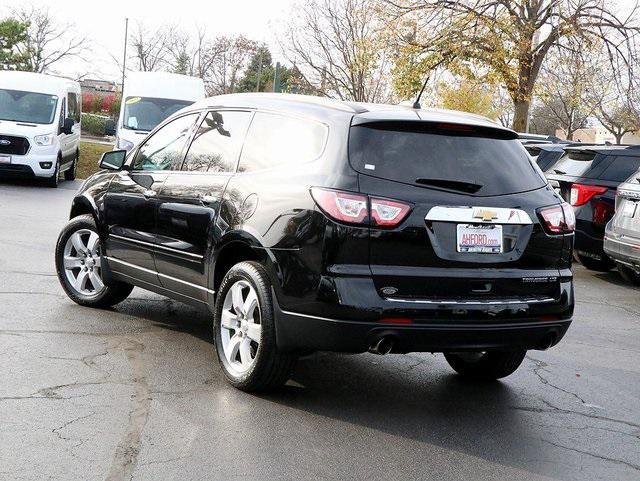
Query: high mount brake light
{"x": 360, "y": 209}
{"x": 558, "y": 219}
{"x": 581, "y": 193}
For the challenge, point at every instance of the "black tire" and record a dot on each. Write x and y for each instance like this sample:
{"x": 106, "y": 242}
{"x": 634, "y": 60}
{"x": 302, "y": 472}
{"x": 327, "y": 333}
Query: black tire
{"x": 270, "y": 367}
{"x": 55, "y": 178}
{"x": 70, "y": 174}
{"x": 486, "y": 366}
{"x": 628, "y": 274}
{"x": 113, "y": 292}
{"x": 599, "y": 265}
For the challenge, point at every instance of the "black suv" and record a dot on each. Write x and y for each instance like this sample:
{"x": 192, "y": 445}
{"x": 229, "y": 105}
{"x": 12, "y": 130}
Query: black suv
{"x": 311, "y": 224}
{"x": 587, "y": 177}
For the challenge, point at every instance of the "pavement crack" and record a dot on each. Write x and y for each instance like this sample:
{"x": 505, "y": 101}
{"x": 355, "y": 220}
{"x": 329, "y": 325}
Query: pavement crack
{"x": 540, "y": 366}
{"x": 125, "y": 457}
{"x": 597, "y": 456}
{"x": 57, "y": 430}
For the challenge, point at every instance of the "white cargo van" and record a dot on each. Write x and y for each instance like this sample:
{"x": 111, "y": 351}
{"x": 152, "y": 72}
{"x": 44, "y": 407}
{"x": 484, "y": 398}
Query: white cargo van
{"x": 39, "y": 126}
{"x": 148, "y": 99}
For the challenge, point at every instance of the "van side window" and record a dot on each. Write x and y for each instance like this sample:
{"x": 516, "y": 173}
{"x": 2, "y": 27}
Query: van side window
{"x": 275, "y": 140}
{"x": 217, "y": 142}
{"x": 63, "y": 113}
{"x": 164, "y": 149}
{"x": 73, "y": 107}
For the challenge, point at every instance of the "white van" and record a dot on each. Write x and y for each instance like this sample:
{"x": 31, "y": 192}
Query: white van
{"x": 39, "y": 126}
{"x": 148, "y": 99}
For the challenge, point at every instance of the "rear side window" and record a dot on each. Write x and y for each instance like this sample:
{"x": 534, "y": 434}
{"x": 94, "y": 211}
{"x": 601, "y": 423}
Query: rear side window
{"x": 452, "y": 157}
{"x": 621, "y": 168}
{"x": 548, "y": 158}
{"x": 216, "y": 144}
{"x": 274, "y": 140}
{"x": 74, "y": 108}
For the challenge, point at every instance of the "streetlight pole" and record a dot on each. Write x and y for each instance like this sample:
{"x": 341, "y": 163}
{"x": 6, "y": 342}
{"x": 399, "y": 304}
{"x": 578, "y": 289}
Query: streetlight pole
{"x": 124, "y": 57}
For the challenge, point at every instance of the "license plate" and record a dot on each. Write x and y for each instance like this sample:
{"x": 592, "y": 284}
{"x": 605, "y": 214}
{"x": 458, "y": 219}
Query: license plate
{"x": 483, "y": 239}
{"x": 5, "y": 159}
{"x": 629, "y": 208}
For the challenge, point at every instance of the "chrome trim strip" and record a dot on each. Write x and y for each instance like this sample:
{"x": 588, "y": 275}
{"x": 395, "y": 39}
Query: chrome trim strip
{"x": 149, "y": 271}
{"x": 483, "y": 302}
{"x": 618, "y": 241}
{"x": 156, "y": 246}
{"x": 474, "y": 214}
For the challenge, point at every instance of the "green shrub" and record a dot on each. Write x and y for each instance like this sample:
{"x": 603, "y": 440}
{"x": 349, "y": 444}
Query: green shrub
{"x": 93, "y": 124}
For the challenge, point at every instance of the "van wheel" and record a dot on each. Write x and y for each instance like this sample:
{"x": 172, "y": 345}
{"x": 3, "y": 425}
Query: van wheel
{"x": 70, "y": 174}
{"x": 487, "y": 365}
{"x": 244, "y": 331}
{"x": 628, "y": 274}
{"x": 79, "y": 264}
{"x": 55, "y": 178}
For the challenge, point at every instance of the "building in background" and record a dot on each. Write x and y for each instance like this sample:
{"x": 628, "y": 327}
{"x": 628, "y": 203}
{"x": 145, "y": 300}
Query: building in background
{"x": 590, "y": 135}
{"x": 99, "y": 87}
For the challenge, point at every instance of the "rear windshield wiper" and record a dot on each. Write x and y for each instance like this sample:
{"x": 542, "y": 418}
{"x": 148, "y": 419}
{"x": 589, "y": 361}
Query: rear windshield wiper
{"x": 556, "y": 171}
{"x": 460, "y": 185}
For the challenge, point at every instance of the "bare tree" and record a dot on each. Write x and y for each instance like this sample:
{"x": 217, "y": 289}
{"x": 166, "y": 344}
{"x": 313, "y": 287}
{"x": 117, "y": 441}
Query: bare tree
{"x": 512, "y": 38}
{"x": 150, "y": 47}
{"x": 339, "y": 47}
{"x": 229, "y": 57}
{"x": 573, "y": 82}
{"x": 619, "y": 117}
{"x": 48, "y": 41}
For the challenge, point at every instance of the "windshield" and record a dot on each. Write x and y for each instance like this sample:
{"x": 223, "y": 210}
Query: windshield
{"x": 465, "y": 159}
{"x": 144, "y": 113}
{"x": 31, "y": 107}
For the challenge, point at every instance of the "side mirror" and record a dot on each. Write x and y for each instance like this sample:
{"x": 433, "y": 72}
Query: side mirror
{"x": 67, "y": 128}
{"x": 113, "y": 159}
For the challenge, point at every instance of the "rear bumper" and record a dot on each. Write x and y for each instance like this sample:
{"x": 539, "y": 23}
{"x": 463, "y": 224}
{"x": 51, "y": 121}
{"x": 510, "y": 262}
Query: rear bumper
{"x": 622, "y": 249}
{"x": 589, "y": 239}
{"x": 359, "y": 317}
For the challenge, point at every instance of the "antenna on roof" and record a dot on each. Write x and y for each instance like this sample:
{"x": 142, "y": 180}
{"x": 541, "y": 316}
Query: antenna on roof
{"x": 416, "y": 105}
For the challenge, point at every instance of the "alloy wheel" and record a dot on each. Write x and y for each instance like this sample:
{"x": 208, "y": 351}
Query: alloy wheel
{"x": 82, "y": 263}
{"x": 240, "y": 327}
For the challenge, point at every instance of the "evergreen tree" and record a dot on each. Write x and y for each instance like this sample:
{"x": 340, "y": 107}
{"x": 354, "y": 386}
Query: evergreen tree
{"x": 12, "y": 33}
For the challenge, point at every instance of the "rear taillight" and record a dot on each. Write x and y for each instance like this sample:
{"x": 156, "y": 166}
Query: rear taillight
{"x": 360, "y": 209}
{"x": 558, "y": 219}
{"x": 581, "y": 193}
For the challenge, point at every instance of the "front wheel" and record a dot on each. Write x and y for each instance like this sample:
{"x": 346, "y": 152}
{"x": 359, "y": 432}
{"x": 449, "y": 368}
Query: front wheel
{"x": 55, "y": 178}
{"x": 485, "y": 365}
{"x": 244, "y": 331}
{"x": 71, "y": 173}
{"x": 79, "y": 263}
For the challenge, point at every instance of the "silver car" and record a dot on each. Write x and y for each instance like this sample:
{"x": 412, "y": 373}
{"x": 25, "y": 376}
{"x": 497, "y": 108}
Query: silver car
{"x": 622, "y": 233}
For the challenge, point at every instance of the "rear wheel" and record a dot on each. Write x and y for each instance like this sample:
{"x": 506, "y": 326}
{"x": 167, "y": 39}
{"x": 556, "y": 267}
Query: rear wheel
{"x": 485, "y": 365}
{"x": 244, "y": 331}
{"x": 79, "y": 263}
{"x": 599, "y": 265}
{"x": 628, "y": 274}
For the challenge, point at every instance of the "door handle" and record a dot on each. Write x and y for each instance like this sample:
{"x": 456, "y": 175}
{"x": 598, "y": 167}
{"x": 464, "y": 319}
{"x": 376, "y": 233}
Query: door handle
{"x": 207, "y": 199}
{"x": 149, "y": 193}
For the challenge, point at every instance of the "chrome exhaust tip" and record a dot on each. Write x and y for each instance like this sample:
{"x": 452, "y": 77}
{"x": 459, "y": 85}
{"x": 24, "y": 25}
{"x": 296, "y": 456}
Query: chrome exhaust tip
{"x": 382, "y": 346}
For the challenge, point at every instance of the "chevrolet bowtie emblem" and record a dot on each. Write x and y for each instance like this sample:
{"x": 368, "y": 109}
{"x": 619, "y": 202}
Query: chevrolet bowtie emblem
{"x": 485, "y": 214}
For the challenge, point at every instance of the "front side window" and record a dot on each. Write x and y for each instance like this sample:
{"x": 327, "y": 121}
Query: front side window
{"x": 275, "y": 140}
{"x": 74, "y": 108}
{"x": 145, "y": 113}
{"x": 164, "y": 149}
{"x": 217, "y": 142}
{"x": 30, "y": 107}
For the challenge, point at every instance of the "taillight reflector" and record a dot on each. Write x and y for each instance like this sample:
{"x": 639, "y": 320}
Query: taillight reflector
{"x": 581, "y": 193}
{"x": 360, "y": 209}
{"x": 558, "y": 219}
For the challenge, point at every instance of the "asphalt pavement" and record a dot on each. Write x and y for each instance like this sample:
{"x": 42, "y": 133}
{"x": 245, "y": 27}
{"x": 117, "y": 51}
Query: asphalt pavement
{"x": 135, "y": 393}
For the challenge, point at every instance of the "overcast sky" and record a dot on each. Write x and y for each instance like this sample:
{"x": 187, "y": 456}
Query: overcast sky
{"x": 102, "y": 22}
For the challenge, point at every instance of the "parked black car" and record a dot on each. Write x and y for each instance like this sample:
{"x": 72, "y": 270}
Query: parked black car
{"x": 312, "y": 224}
{"x": 546, "y": 154}
{"x": 587, "y": 177}
{"x": 622, "y": 233}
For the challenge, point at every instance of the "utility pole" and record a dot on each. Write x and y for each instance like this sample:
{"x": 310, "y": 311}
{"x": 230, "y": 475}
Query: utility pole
{"x": 259, "y": 71}
{"x": 124, "y": 57}
{"x": 276, "y": 78}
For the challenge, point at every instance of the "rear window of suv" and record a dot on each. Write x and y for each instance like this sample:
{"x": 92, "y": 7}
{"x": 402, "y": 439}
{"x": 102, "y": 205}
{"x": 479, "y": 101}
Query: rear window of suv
{"x": 591, "y": 165}
{"x": 478, "y": 161}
